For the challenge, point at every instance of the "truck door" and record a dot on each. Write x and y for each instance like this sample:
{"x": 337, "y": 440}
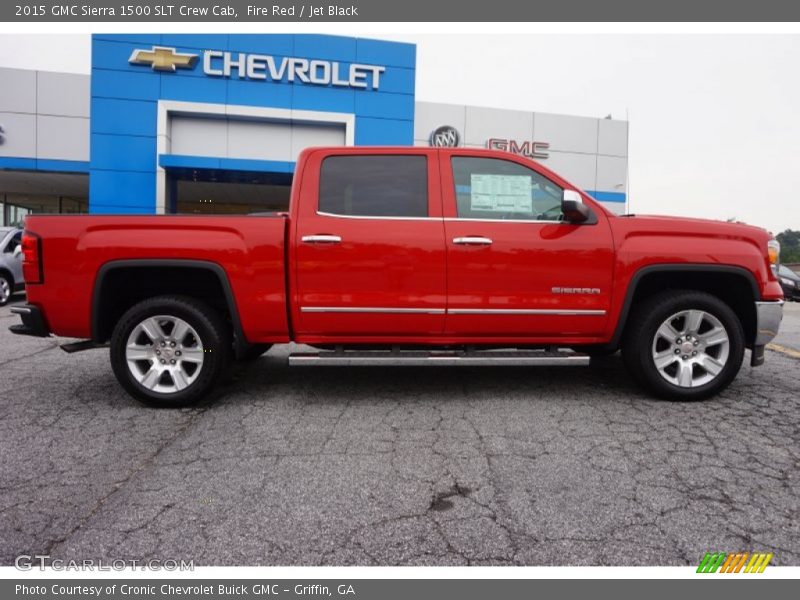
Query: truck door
{"x": 515, "y": 269}
{"x": 369, "y": 249}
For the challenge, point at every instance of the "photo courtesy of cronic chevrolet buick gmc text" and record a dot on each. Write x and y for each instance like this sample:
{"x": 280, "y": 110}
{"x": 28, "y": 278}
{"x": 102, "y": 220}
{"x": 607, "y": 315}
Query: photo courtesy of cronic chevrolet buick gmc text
{"x": 416, "y": 256}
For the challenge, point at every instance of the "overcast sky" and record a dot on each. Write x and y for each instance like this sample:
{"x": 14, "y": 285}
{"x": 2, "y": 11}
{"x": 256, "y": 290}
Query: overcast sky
{"x": 714, "y": 119}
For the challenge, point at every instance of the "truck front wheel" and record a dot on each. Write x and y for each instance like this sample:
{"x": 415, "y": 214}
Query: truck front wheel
{"x": 170, "y": 351}
{"x": 684, "y": 345}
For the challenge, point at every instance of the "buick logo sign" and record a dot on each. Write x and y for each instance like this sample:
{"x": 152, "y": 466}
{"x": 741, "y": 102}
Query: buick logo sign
{"x": 445, "y": 137}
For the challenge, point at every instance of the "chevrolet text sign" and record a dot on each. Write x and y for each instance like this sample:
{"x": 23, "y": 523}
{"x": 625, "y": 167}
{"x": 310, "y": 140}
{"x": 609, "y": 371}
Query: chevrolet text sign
{"x": 263, "y": 67}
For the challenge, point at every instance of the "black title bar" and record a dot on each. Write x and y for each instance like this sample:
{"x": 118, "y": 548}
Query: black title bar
{"x": 405, "y": 10}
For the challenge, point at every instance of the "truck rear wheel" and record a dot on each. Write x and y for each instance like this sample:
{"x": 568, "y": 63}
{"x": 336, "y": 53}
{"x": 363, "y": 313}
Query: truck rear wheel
{"x": 684, "y": 345}
{"x": 170, "y": 351}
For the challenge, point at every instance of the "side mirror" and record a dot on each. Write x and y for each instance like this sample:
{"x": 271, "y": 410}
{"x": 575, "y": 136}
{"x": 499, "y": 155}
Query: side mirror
{"x": 17, "y": 253}
{"x": 573, "y": 208}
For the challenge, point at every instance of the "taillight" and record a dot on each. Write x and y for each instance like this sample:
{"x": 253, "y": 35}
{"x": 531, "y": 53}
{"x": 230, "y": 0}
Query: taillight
{"x": 31, "y": 258}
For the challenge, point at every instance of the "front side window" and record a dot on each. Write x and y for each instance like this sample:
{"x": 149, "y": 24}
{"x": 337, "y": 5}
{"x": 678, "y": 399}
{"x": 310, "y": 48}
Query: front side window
{"x": 374, "y": 186}
{"x": 493, "y": 188}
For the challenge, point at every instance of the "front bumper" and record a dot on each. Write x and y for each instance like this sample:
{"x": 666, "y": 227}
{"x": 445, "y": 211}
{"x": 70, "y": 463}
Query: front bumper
{"x": 32, "y": 321}
{"x": 768, "y": 321}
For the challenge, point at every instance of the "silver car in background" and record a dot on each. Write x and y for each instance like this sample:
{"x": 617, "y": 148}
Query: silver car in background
{"x": 10, "y": 263}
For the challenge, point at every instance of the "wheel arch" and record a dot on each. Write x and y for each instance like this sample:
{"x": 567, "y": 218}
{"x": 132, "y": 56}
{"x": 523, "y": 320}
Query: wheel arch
{"x": 199, "y": 272}
{"x": 734, "y": 285}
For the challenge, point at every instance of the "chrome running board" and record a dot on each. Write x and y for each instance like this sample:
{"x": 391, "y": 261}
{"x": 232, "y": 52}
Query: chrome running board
{"x": 419, "y": 358}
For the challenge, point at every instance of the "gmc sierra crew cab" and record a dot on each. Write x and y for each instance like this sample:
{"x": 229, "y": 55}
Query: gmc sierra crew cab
{"x": 417, "y": 256}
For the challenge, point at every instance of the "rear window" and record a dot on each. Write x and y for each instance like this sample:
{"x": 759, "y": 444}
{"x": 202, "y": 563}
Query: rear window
{"x": 374, "y": 186}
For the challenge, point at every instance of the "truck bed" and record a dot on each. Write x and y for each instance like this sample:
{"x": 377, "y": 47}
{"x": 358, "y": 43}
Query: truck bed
{"x": 77, "y": 250}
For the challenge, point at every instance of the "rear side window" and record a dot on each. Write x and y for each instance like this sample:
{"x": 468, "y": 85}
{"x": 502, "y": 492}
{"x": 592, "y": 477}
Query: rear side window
{"x": 374, "y": 186}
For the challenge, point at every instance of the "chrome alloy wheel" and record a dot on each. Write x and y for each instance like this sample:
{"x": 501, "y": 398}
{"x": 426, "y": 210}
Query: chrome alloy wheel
{"x": 164, "y": 354}
{"x": 690, "y": 348}
{"x": 5, "y": 289}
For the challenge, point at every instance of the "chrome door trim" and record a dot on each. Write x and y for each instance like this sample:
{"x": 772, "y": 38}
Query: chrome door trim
{"x": 482, "y": 220}
{"x": 372, "y": 309}
{"x": 472, "y": 240}
{"x": 451, "y": 311}
{"x": 321, "y": 239}
{"x": 523, "y": 311}
{"x": 322, "y": 213}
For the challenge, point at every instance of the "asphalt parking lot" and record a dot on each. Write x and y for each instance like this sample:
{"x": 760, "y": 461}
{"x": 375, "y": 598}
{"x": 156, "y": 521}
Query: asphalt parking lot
{"x": 553, "y": 466}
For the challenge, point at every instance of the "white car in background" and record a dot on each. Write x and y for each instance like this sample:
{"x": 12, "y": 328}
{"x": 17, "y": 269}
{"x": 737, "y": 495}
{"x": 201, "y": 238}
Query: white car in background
{"x": 11, "y": 280}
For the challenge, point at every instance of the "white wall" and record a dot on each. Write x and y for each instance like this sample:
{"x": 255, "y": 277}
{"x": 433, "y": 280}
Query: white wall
{"x": 44, "y": 115}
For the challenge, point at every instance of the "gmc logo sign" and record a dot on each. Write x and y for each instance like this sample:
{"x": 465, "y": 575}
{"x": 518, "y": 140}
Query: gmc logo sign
{"x": 527, "y": 148}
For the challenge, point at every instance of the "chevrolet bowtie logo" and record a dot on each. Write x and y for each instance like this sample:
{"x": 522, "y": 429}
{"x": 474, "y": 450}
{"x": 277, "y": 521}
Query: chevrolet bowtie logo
{"x": 163, "y": 59}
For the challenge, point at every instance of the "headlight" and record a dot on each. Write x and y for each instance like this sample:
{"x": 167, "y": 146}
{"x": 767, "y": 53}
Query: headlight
{"x": 788, "y": 282}
{"x": 773, "y": 251}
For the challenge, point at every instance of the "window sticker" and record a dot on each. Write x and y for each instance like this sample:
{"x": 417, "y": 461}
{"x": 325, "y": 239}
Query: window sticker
{"x": 501, "y": 193}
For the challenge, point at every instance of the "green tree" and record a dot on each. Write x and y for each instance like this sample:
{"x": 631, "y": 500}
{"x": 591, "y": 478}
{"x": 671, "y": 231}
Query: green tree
{"x": 790, "y": 246}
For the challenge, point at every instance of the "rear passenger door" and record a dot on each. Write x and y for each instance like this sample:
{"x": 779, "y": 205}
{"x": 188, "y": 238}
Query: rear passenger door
{"x": 369, "y": 248}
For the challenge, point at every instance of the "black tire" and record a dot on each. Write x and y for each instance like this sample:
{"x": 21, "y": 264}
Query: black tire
{"x": 213, "y": 333}
{"x": 254, "y": 352}
{"x": 640, "y": 333}
{"x": 6, "y": 283}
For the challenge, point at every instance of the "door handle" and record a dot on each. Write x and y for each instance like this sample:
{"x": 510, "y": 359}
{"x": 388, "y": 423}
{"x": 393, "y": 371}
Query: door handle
{"x": 472, "y": 240}
{"x": 321, "y": 239}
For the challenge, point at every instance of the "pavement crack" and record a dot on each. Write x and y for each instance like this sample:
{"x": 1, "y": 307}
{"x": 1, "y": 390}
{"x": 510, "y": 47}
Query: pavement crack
{"x": 194, "y": 415}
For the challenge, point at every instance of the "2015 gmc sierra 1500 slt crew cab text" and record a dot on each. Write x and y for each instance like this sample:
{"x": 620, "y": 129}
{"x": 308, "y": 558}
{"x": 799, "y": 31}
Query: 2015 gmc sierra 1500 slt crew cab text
{"x": 410, "y": 256}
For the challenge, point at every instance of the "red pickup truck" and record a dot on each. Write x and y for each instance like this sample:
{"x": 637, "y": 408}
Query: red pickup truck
{"x": 419, "y": 256}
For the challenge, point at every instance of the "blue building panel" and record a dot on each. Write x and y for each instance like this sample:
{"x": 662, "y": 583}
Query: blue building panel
{"x": 264, "y": 93}
{"x": 386, "y": 53}
{"x": 117, "y": 209}
{"x": 123, "y": 152}
{"x": 325, "y": 47}
{"x": 57, "y": 165}
{"x": 125, "y": 85}
{"x": 374, "y": 132}
{"x": 329, "y": 99}
{"x": 124, "y": 106}
{"x": 399, "y": 106}
{"x": 607, "y": 196}
{"x": 132, "y": 38}
{"x": 180, "y": 161}
{"x": 196, "y": 41}
{"x": 123, "y": 117}
{"x": 125, "y": 191}
{"x": 114, "y": 55}
{"x": 194, "y": 89}
{"x": 397, "y": 80}
{"x": 263, "y": 43}
{"x": 17, "y": 163}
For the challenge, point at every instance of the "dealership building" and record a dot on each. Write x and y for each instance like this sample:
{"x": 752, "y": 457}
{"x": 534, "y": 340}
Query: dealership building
{"x": 214, "y": 123}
